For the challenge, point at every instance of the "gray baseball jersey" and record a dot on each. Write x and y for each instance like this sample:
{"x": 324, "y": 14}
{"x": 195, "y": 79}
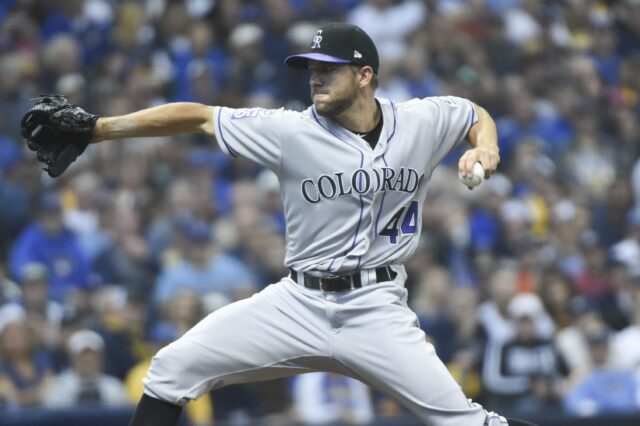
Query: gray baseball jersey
{"x": 348, "y": 207}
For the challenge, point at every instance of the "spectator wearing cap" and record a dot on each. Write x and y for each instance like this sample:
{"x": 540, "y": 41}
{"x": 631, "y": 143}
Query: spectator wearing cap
{"x": 48, "y": 242}
{"x": 524, "y": 374}
{"x": 203, "y": 268}
{"x": 493, "y": 313}
{"x": 25, "y": 369}
{"x": 199, "y": 411}
{"x": 85, "y": 383}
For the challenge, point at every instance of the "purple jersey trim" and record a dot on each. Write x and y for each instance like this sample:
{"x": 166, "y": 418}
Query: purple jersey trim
{"x": 224, "y": 141}
{"x": 355, "y": 235}
{"x": 331, "y": 264}
{"x": 381, "y": 205}
{"x": 384, "y": 194}
{"x": 393, "y": 132}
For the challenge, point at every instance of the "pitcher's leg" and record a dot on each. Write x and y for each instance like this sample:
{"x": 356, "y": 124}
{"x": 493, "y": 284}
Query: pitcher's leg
{"x": 417, "y": 379}
{"x": 401, "y": 363}
{"x": 155, "y": 412}
{"x": 254, "y": 339}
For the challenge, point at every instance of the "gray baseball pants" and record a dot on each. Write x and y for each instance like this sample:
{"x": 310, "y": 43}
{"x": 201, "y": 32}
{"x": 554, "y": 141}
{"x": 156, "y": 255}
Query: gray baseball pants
{"x": 369, "y": 334}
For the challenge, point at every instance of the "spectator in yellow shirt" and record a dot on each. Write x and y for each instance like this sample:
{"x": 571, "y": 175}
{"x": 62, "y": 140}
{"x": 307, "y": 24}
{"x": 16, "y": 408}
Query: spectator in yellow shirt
{"x": 199, "y": 411}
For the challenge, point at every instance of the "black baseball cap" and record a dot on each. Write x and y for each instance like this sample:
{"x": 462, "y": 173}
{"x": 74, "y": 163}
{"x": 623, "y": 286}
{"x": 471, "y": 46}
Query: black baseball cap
{"x": 338, "y": 43}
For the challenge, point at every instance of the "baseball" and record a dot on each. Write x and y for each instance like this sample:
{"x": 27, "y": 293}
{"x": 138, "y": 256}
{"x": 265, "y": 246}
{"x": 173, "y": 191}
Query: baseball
{"x": 476, "y": 179}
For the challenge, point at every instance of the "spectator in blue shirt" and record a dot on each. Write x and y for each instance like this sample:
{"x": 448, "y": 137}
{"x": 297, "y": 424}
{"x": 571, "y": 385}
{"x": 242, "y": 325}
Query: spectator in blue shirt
{"x": 604, "y": 389}
{"x": 48, "y": 242}
{"x": 203, "y": 268}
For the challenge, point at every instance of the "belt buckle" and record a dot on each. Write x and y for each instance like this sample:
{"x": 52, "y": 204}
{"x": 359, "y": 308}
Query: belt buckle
{"x": 334, "y": 284}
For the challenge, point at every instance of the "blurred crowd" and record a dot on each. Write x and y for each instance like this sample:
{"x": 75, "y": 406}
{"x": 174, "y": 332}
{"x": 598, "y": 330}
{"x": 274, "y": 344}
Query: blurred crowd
{"x": 529, "y": 285}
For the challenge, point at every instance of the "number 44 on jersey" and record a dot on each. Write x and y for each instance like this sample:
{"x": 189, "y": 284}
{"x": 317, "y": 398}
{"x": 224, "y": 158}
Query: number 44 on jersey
{"x": 407, "y": 217}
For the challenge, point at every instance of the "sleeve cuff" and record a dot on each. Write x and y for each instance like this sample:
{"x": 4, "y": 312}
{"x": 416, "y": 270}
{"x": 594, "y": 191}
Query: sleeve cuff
{"x": 220, "y": 135}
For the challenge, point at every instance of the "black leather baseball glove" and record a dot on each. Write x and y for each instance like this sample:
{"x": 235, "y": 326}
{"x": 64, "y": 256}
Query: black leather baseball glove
{"x": 57, "y": 131}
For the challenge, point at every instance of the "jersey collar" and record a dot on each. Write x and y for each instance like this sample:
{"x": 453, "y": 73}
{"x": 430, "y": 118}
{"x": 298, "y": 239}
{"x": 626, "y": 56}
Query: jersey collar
{"x": 387, "y": 133}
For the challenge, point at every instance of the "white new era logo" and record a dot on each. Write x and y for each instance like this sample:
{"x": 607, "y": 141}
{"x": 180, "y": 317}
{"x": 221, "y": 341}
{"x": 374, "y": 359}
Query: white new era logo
{"x": 357, "y": 54}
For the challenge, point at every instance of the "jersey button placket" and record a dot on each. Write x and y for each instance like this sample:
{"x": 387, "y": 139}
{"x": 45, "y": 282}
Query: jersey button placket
{"x": 369, "y": 205}
{"x": 376, "y": 192}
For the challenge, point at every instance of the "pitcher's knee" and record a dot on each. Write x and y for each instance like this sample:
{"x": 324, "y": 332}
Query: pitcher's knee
{"x": 170, "y": 376}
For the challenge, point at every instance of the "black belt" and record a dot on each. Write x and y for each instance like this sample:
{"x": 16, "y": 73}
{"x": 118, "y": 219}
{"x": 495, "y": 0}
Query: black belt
{"x": 341, "y": 283}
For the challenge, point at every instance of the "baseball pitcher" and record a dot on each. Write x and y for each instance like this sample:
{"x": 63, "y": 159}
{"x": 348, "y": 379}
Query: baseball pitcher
{"x": 353, "y": 172}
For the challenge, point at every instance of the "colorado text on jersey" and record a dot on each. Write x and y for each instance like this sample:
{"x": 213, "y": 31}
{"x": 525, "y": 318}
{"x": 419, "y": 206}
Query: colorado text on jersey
{"x": 337, "y": 185}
